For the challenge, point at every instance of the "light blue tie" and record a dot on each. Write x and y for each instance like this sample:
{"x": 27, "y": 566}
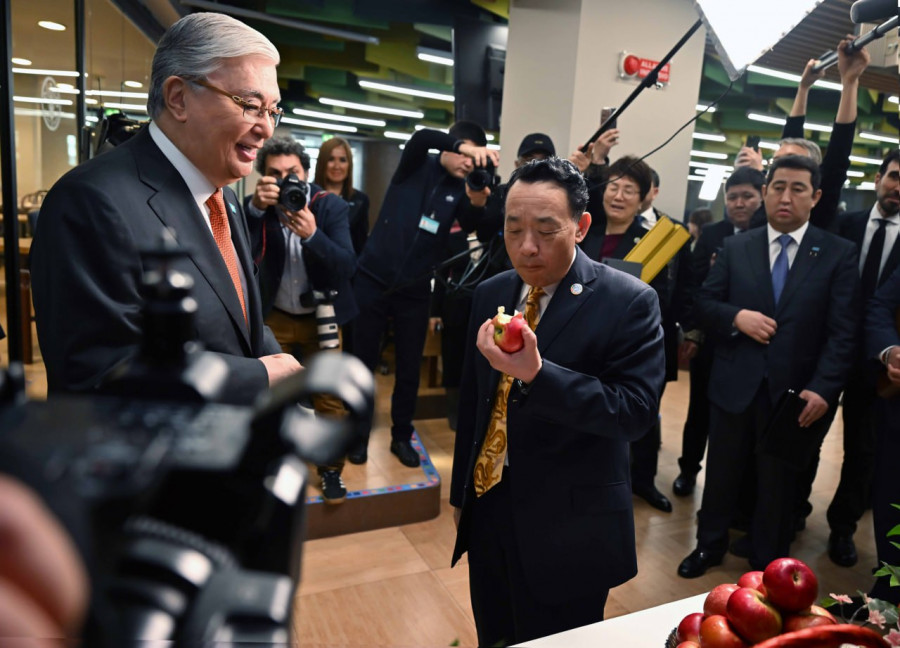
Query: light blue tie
{"x": 780, "y": 268}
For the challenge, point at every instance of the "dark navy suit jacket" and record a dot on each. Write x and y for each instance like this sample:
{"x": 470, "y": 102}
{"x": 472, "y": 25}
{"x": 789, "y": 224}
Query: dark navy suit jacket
{"x": 601, "y": 343}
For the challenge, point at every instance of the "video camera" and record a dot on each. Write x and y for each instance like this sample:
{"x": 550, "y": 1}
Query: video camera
{"x": 482, "y": 177}
{"x": 293, "y": 192}
{"x": 195, "y": 508}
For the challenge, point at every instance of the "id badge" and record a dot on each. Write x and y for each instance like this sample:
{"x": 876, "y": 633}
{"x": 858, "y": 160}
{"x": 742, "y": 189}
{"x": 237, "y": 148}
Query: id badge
{"x": 429, "y": 224}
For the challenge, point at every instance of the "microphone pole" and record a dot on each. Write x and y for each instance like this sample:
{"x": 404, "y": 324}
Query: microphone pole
{"x": 646, "y": 82}
{"x": 831, "y": 57}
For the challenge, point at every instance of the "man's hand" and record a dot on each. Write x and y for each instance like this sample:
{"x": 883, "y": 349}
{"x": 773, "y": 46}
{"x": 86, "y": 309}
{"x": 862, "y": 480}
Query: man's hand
{"x": 893, "y": 365}
{"x": 851, "y": 66}
{"x": 523, "y": 364}
{"x": 749, "y": 157}
{"x": 755, "y": 325}
{"x": 809, "y": 76}
{"x": 603, "y": 145}
{"x": 480, "y": 154}
{"x": 279, "y": 366}
{"x": 302, "y": 223}
{"x": 581, "y": 160}
{"x": 477, "y": 198}
{"x": 435, "y": 324}
{"x": 814, "y": 410}
{"x": 266, "y": 193}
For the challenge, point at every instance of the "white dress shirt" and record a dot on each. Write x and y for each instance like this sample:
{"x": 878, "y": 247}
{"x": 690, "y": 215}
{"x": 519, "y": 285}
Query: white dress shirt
{"x": 792, "y": 248}
{"x": 890, "y": 237}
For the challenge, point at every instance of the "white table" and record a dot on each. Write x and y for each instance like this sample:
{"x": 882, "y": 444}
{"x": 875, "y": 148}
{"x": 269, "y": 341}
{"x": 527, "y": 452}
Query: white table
{"x": 645, "y": 629}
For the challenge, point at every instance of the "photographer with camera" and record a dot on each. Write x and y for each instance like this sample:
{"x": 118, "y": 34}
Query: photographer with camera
{"x": 300, "y": 238}
{"x": 426, "y": 195}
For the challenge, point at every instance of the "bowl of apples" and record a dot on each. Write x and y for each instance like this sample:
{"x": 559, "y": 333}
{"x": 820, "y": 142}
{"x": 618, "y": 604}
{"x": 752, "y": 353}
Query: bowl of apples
{"x": 774, "y": 608}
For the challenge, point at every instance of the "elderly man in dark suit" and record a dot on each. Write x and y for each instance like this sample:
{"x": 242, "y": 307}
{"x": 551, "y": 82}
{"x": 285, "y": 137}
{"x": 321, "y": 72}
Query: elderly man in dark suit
{"x": 540, "y": 468}
{"x": 784, "y": 300}
{"x": 874, "y": 232}
{"x": 213, "y": 92}
{"x": 882, "y": 345}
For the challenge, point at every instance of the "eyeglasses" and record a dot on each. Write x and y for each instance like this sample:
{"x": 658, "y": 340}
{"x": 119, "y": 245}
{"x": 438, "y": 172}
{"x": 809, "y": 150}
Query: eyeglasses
{"x": 252, "y": 111}
{"x": 627, "y": 190}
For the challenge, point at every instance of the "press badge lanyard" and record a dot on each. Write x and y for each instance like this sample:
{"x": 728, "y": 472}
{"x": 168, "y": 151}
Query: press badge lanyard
{"x": 429, "y": 223}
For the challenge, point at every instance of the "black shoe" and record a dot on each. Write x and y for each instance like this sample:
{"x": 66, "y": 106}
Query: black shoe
{"x": 359, "y": 454}
{"x": 698, "y": 562}
{"x": 841, "y": 550}
{"x": 405, "y": 453}
{"x": 333, "y": 490}
{"x": 653, "y": 497}
{"x": 741, "y": 547}
{"x": 684, "y": 484}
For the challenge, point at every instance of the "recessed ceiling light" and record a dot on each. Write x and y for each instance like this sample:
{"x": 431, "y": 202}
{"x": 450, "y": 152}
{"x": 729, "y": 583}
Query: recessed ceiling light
{"x": 707, "y": 154}
{"x": 864, "y": 160}
{"x": 710, "y": 137}
{"x": 340, "y": 118}
{"x": 894, "y": 99}
{"x": 316, "y": 124}
{"x": 52, "y": 26}
{"x": 134, "y": 84}
{"x": 43, "y": 100}
{"x": 787, "y": 76}
{"x": 880, "y": 137}
{"x": 415, "y": 114}
{"x": 123, "y": 106}
{"x": 15, "y": 60}
{"x": 396, "y": 135}
{"x": 781, "y": 121}
{"x": 419, "y": 127}
{"x": 434, "y": 56}
{"x": 62, "y": 73}
{"x": 705, "y": 108}
{"x": 856, "y": 174}
{"x": 405, "y": 90}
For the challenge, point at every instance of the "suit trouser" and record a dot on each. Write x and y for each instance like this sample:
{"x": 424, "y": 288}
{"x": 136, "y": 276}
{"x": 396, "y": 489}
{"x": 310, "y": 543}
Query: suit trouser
{"x": 299, "y": 336}
{"x": 410, "y": 325}
{"x": 732, "y": 446}
{"x": 696, "y": 425}
{"x": 885, "y": 493}
{"x": 645, "y": 453}
{"x": 504, "y": 608}
{"x": 853, "y": 494}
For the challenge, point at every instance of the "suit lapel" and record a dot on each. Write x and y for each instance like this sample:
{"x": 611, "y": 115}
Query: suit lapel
{"x": 758, "y": 262}
{"x": 566, "y": 301}
{"x": 893, "y": 261}
{"x": 174, "y": 205}
{"x": 806, "y": 259}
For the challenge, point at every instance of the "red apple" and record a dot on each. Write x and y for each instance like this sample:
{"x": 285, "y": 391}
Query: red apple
{"x": 717, "y": 632}
{"x": 813, "y": 617}
{"x": 753, "y": 579}
{"x": 689, "y": 628}
{"x": 688, "y": 644}
{"x": 717, "y": 599}
{"x": 790, "y": 584}
{"x": 754, "y": 618}
{"x": 508, "y": 330}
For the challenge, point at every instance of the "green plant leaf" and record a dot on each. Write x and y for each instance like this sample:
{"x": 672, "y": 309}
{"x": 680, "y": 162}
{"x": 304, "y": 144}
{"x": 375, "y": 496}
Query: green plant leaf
{"x": 896, "y": 506}
{"x": 827, "y": 601}
{"x": 895, "y": 531}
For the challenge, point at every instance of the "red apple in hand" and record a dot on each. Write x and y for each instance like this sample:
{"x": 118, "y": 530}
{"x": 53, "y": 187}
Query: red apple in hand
{"x": 753, "y": 579}
{"x": 689, "y": 628}
{"x": 813, "y": 617}
{"x": 717, "y": 599}
{"x": 754, "y": 618}
{"x": 688, "y": 644}
{"x": 716, "y": 632}
{"x": 508, "y": 330}
{"x": 790, "y": 584}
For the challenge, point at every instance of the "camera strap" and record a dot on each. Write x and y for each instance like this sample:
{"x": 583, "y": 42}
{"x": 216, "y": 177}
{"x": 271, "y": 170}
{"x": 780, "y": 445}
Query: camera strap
{"x": 262, "y": 253}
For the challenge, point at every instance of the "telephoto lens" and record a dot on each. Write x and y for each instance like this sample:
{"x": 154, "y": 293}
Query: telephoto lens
{"x": 293, "y": 192}
{"x": 481, "y": 177}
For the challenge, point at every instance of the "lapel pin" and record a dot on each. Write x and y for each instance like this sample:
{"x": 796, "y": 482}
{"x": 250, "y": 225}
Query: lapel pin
{"x": 576, "y": 289}
{"x": 814, "y": 252}
{"x": 233, "y": 211}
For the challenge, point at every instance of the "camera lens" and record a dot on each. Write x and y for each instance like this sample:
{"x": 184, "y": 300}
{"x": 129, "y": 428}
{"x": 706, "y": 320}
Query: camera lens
{"x": 292, "y": 195}
{"x": 478, "y": 179}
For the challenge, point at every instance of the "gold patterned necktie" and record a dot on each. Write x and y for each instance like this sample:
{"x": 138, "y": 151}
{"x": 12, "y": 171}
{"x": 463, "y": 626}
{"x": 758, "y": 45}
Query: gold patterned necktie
{"x": 221, "y": 230}
{"x": 489, "y": 465}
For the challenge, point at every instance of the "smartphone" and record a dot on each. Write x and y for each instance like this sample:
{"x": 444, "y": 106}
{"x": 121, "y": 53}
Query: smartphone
{"x": 753, "y": 142}
{"x": 605, "y": 114}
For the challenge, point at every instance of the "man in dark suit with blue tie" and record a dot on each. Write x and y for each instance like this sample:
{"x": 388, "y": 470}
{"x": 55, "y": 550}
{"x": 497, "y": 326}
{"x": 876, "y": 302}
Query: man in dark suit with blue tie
{"x": 213, "y": 92}
{"x": 875, "y": 232}
{"x": 784, "y": 301}
{"x": 540, "y": 468}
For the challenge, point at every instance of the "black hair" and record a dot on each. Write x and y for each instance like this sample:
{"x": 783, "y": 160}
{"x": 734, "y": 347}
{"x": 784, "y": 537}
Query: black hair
{"x": 281, "y": 146}
{"x": 655, "y": 177}
{"x": 700, "y": 216}
{"x": 746, "y": 175}
{"x": 797, "y": 162}
{"x": 892, "y": 156}
{"x": 635, "y": 169}
{"x": 560, "y": 172}
{"x": 467, "y": 130}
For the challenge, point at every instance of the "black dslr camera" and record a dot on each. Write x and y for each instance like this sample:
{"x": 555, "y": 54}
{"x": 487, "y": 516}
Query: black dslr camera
{"x": 195, "y": 509}
{"x": 293, "y": 192}
{"x": 482, "y": 177}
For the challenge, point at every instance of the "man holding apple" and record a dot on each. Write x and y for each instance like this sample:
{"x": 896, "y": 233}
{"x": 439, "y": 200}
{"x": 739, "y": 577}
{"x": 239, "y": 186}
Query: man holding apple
{"x": 784, "y": 301}
{"x": 541, "y": 471}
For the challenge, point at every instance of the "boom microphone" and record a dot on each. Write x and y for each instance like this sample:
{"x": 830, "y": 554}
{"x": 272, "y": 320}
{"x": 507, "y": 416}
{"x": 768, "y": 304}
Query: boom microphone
{"x": 866, "y": 11}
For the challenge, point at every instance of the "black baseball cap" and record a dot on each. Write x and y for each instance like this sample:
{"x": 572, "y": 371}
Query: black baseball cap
{"x": 536, "y": 142}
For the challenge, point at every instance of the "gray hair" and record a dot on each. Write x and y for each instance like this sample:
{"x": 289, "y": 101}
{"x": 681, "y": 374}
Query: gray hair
{"x": 812, "y": 149}
{"x": 196, "y": 46}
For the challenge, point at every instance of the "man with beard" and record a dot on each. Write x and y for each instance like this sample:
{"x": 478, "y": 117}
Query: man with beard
{"x": 874, "y": 231}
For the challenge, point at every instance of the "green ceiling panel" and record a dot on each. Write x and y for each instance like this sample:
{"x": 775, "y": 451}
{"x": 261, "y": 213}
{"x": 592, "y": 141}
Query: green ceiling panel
{"x": 338, "y": 12}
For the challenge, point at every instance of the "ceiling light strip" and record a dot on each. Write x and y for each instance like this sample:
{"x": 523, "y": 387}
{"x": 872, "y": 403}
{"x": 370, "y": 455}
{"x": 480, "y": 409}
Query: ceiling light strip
{"x": 405, "y": 90}
{"x": 415, "y": 114}
{"x": 316, "y": 124}
{"x": 339, "y": 118}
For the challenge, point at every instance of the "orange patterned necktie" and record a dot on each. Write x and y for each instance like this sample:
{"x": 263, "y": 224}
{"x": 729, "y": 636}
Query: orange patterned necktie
{"x": 222, "y": 233}
{"x": 489, "y": 466}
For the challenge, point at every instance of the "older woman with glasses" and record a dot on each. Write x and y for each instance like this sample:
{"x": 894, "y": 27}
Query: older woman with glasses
{"x": 615, "y": 231}
{"x": 334, "y": 173}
